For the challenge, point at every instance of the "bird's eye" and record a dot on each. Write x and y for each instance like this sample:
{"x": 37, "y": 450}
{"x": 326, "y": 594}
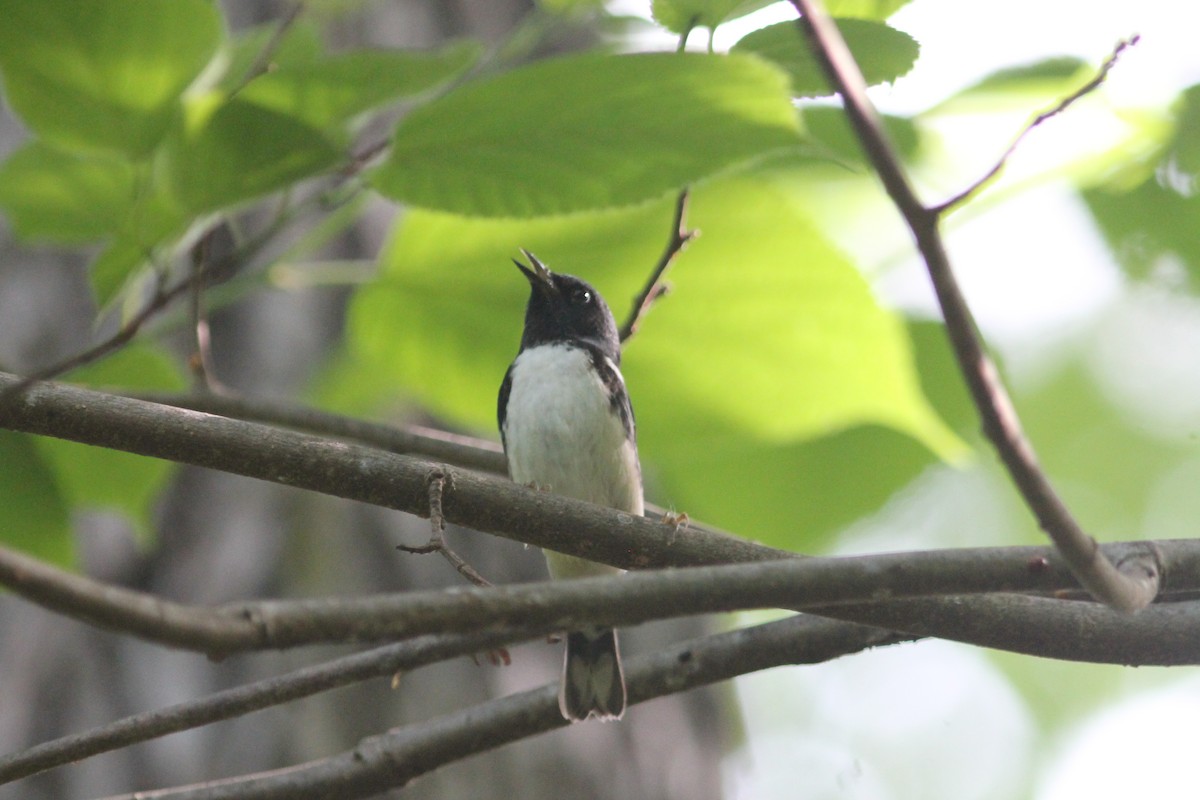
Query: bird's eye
{"x": 581, "y": 297}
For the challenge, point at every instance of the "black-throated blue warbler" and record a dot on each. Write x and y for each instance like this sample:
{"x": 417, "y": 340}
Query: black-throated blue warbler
{"x": 568, "y": 427}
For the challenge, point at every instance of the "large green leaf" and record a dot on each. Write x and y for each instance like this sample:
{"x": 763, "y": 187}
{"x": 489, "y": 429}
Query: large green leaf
{"x": 328, "y": 93}
{"x": 36, "y": 519}
{"x": 230, "y": 151}
{"x": 784, "y": 318}
{"x": 882, "y": 52}
{"x": 57, "y": 195}
{"x": 586, "y": 132}
{"x": 95, "y": 477}
{"x": 104, "y": 74}
{"x": 765, "y": 377}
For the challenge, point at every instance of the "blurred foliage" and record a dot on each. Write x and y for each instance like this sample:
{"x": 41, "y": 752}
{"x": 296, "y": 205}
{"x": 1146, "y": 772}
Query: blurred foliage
{"x": 1150, "y": 211}
{"x": 758, "y": 289}
{"x": 520, "y": 145}
{"x": 776, "y": 396}
{"x": 883, "y": 53}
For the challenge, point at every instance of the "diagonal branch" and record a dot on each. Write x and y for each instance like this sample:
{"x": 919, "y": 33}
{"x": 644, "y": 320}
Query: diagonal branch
{"x": 654, "y": 287}
{"x": 1127, "y": 589}
{"x": 1062, "y": 105}
{"x": 394, "y": 759}
{"x": 380, "y": 662}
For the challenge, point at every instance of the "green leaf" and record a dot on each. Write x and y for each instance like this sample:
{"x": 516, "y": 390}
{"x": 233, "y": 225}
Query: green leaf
{"x": 60, "y": 196}
{"x": 1056, "y": 72}
{"x": 98, "y": 478}
{"x": 1149, "y": 226}
{"x": 229, "y": 152}
{"x": 104, "y": 74}
{"x": 1184, "y": 155}
{"x": 864, "y": 9}
{"x": 828, "y": 126}
{"x": 787, "y": 320}
{"x": 36, "y": 520}
{"x": 882, "y": 52}
{"x": 566, "y": 6}
{"x": 679, "y": 16}
{"x": 586, "y": 132}
{"x": 1149, "y": 209}
{"x": 328, "y": 93}
{"x": 760, "y": 302}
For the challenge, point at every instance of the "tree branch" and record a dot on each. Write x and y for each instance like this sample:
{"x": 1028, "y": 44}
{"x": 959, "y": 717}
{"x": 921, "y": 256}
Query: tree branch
{"x": 359, "y": 473}
{"x": 380, "y": 662}
{"x": 437, "y": 535}
{"x": 655, "y": 288}
{"x": 394, "y": 759}
{"x": 451, "y": 448}
{"x": 1101, "y": 74}
{"x": 262, "y": 62}
{"x": 393, "y": 481}
{"x": 846, "y": 587}
{"x": 1127, "y": 589}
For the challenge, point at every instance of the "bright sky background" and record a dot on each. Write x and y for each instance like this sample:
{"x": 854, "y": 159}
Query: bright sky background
{"x": 936, "y": 720}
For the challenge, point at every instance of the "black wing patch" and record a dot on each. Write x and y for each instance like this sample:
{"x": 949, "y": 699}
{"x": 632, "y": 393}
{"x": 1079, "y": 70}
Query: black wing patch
{"x": 618, "y": 397}
{"x": 502, "y": 403}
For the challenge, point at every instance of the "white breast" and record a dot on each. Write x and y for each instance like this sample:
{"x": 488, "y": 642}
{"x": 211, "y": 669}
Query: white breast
{"x": 562, "y": 433}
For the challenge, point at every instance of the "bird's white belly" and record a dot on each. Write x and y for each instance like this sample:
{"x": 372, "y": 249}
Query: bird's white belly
{"x": 562, "y": 434}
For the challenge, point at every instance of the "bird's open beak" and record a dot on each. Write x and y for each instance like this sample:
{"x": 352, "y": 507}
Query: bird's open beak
{"x": 538, "y": 275}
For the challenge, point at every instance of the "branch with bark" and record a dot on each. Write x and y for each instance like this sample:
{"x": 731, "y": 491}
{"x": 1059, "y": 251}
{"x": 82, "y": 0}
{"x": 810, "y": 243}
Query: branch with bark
{"x": 538, "y": 518}
{"x": 396, "y": 758}
{"x": 1129, "y": 587}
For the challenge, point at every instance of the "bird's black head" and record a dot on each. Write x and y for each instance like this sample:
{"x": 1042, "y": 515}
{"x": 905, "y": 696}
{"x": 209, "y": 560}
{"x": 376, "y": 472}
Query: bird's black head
{"x": 563, "y": 308}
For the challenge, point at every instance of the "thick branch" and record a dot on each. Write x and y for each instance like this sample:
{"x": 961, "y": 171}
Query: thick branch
{"x": 846, "y": 587}
{"x": 399, "y": 482}
{"x": 461, "y": 451}
{"x": 394, "y": 759}
{"x": 1125, "y": 590}
{"x": 360, "y": 473}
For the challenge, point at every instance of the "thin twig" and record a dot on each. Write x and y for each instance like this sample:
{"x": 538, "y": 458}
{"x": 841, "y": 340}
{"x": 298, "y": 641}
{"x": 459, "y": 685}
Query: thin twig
{"x": 215, "y": 271}
{"x": 129, "y": 329}
{"x": 1132, "y": 587}
{"x": 437, "y": 536}
{"x": 1062, "y": 105}
{"x": 262, "y": 62}
{"x": 200, "y": 361}
{"x": 655, "y": 288}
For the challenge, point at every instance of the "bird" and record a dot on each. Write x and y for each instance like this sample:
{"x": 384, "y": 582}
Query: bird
{"x": 567, "y": 426}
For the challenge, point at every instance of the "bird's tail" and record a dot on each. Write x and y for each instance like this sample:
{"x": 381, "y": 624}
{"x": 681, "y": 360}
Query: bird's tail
{"x": 593, "y": 684}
